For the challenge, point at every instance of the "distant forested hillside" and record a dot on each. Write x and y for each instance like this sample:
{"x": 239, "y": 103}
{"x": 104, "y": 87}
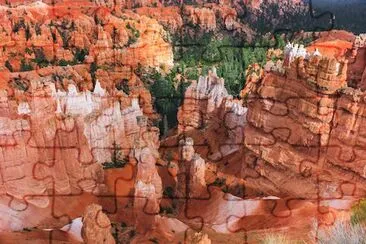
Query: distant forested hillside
{"x": 349, "y": 14}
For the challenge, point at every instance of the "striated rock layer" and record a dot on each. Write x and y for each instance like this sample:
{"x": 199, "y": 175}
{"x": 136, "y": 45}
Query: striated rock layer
{"x": 57, "y": 145}
{"x": 304, "y": 136}
{"x": 96, "y": 226}
{"x": 38, "y": 34}
{"x": 300, "y": 143}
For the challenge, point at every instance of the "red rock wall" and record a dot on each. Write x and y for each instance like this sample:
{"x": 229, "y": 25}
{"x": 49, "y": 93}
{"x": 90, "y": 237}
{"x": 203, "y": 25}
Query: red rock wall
{"x": 303, "y": 142}
{"x": 60, "y": 29}
{"x": 45, "y": 153}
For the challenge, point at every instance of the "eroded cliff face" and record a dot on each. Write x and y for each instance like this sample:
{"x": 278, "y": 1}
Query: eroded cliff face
{"x": 70, "y": 105}
{"x": 357, "y": 71}
{"x": 299, "y": 142}
{"x": 70, "y": 94}
{"x": 70, "y": 101}
{"x": 210, "y": 109}
{"x": 57, "y": 141}
{"x": 305, "y": 128}
{"x": 302, "y": 126}
{"x": 96, "y": 226}
{"x": 38, "y": 35}
{"x": 112, "y": 31}
{"x": 257, "y": 3}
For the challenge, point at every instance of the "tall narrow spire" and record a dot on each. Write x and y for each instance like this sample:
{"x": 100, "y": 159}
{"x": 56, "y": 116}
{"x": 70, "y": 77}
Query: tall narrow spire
{"x": 98, "y": 90}
{"x": 72, "y": 90}
{"x": 58, "y": 109}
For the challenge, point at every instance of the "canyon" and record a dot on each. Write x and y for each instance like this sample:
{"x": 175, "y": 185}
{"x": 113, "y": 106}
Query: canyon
{"x": 81, "y": 158}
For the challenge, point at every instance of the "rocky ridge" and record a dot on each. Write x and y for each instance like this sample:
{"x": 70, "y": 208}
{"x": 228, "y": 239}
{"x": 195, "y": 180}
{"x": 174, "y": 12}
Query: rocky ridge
{"x": 321, "y": 146}
{"x": 60, "y": 142}
{"x": 207, "y": 105}
{"x": 75, "y": 103}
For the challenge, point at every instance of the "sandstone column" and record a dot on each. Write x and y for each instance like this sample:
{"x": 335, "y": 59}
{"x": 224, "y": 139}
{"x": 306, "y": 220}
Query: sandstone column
{"x": 191, "y": 177}
{"x": 96, "y": 226}
{"x": 148, "y": 190}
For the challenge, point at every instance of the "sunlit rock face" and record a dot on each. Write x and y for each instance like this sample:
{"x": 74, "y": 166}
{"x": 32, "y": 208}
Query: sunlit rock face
{"x": 59, "y": 142}
{"x": 40, "y": 30}
{"x": 148, "y": 190}
{"x": 201, "y": 99}
{"x": 305, "y": 127}
{"x": 69, "y": 93}
{"x": 96, "y": 226}
{"x": 200, "y": 238}
{"x": 302, "y": 125}
{"x": 61, "y": 104}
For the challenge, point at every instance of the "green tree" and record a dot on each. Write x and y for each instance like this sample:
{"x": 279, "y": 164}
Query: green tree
{"x": 93, "y": 69}
{"x": 123, "y": 86}
{"x": 28, "y": 35}
{"x": 63, "y": 62}
{"x": 8, "y": 66}
{"x": 40, "y": 59}
{"x": 80, "y": 54}
{"x": 117, "y": 160}
{"x": 164, "y": 93}
{"x": 25, "y": 66}
{"x": 280, "y": 42}
{"x": 212, "y": 53}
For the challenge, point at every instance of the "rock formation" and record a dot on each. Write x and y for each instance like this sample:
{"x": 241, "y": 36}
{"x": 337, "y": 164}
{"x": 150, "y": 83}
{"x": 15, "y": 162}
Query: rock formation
{"x": 208, "y": 107}
{"x": 148, "y": 186}
{"x": 357, "y": 67}
{"x": 62, "y": 143}
{"x": 96, "y": 226}
{"x": 75, "y": 121}
{"x": 70, "y": 99}
{"x": 201, "y": 99}
{"x": 200, "y": 238}
{"x": 302, "y": 123}
{"x": 191, "y": 181}
{"x": 253, "y": 75}
{"x": 302, "y": 139}
{"x": 328, "y": 74}
{"x": 59, "y": 40}
{"x": 206, "y": 16}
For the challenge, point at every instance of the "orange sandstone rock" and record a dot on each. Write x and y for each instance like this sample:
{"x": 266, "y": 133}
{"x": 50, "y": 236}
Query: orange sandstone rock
{"x": 96, "y": 226}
